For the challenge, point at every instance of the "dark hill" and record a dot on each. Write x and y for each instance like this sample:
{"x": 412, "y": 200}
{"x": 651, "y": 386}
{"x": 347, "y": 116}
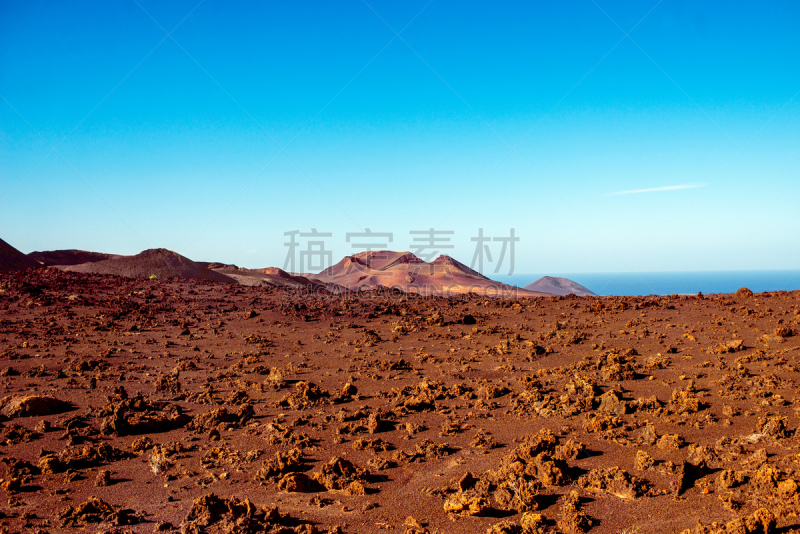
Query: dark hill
{"x": 12, "y": 259}
{"x": 68, "y": 257}
{"x": 160, "y": 262}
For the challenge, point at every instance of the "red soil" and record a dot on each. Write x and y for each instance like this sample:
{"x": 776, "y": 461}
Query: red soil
{"x": 210, "y": 407}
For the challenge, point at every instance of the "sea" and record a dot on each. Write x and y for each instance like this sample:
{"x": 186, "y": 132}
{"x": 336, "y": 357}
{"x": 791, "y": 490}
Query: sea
{"x": 670, "y": 283}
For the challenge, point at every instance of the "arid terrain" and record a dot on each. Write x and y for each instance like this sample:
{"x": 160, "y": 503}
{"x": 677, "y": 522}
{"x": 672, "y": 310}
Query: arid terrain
{"x": 136, "y": 405}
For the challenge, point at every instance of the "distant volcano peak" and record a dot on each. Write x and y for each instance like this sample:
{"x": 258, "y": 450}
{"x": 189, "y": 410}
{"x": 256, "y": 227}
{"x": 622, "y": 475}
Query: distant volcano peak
{"x": 558, "y": 286}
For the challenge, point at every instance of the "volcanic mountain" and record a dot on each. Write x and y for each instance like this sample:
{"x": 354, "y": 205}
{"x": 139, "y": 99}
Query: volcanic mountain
{"x": 558, "y": 286}
{"x": 409, "y": 273}
{"x": 160, "y": 262}
{"x": 12, "y": 259}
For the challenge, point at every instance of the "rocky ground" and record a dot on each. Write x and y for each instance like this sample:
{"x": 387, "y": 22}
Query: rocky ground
{"x": 194, "y": 406}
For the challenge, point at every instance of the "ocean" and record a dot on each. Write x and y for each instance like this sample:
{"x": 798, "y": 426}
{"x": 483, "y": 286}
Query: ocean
{"x": 670, "y": 283}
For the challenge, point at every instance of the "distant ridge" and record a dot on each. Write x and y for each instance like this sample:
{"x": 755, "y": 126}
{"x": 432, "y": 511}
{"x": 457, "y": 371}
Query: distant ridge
{"x": 69, "y": 257}
{"x": 160, "y": 262}
{"x": 369, "y": 270}
{"x": 216, "y": 265}
{"x": 12, "y": 259}
{"x": 267, "y": 276}
{"x": 558, "y": 286}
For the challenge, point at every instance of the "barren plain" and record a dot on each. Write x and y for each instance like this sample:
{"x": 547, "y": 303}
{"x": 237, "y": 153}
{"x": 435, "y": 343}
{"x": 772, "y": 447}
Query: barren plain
{"x": 134, "y": 405}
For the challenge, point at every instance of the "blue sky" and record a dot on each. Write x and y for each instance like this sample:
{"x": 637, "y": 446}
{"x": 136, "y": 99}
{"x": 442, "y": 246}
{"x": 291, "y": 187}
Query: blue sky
{"x": 673, "y": 148}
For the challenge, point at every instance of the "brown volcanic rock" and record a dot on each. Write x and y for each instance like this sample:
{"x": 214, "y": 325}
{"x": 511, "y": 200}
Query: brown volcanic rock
{"x": 69, "y": 257}
{"x": 211, "y": 513}
{"x": 12, "y": 259}
{"x": 160, "y": 262}
{"x": 96, "y": 510}
{"x": 32, "y": 405}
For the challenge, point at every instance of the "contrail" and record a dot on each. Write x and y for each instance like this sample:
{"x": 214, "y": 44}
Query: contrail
{"x": 658, "y": 189}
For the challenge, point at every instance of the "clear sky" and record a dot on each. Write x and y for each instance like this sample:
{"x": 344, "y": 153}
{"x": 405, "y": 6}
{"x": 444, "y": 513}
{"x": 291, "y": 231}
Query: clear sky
{"x": 611, "y": 136}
